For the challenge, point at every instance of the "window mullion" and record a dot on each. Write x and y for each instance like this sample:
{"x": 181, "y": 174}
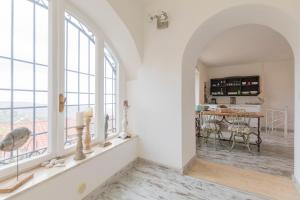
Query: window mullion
{"x": 12, "y": 70}
{"x": 34, "y": 74}
{"x": 56, "y": 76}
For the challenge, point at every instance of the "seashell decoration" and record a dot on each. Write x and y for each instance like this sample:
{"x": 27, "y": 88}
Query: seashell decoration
{"x": 15, "y": 139}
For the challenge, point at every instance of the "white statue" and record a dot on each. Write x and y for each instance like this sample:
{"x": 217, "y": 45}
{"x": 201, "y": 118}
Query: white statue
{"x": 124, "y": 133}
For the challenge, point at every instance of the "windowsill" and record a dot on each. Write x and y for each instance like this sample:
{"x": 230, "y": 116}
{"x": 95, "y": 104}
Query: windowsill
{"x": 42, "y": 174}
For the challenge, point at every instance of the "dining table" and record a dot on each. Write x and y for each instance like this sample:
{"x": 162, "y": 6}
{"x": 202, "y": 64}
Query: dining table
{"x": 224, "y": 115}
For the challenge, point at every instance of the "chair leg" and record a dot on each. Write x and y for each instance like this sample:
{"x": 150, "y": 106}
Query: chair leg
{"x": 248, "y": 143}
{"x": 233, "y": 142}
{"x": 231, "y": 135}
{"x": 207, "y": 136}
{"x": 215, "y": 139}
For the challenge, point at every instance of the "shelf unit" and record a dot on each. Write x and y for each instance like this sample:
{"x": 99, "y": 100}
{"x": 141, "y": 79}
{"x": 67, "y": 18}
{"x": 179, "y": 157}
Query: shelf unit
{"x": 235, "y": 86}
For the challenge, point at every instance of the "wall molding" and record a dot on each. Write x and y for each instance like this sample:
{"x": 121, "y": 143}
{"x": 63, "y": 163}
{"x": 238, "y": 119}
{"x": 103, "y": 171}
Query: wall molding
{"x": 188, "y": 165}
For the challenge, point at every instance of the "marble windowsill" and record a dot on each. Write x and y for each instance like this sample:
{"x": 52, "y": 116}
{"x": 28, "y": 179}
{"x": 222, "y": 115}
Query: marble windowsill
{"x": 42, "y": 174}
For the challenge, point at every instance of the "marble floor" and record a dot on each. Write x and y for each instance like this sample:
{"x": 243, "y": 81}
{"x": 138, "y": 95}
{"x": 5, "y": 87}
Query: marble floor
{"x": 276, "y": 156}
{"x": 147, "y": 181}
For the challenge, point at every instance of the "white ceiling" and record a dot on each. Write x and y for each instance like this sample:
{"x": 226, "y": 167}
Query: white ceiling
{"x": 246, "y": 44}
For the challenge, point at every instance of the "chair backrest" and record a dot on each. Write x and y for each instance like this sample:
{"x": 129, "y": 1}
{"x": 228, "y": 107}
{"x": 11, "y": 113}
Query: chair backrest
{"x": 210, "y": 121}
{"x": 240, "y": 121}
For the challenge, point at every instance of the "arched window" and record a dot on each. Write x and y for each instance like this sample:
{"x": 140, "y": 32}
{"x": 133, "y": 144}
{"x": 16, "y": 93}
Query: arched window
{"x": 110, "y": 90}
{"x": 24, "y": 73}
{"x": 79, "y": 74}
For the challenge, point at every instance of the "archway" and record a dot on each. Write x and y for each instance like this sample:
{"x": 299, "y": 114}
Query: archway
{"x": 265, "y": 15}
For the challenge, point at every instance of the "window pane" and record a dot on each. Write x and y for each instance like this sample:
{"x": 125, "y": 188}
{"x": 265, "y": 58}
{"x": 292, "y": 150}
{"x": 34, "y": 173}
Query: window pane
{"x": 79, "y": 82}
{"x": 109, "y": 86}
{"x": 84, "y": 83}
{"x": 84, "y": 99}
{"x": 92, "y": 58}
{"x": 4, "y": 123}
{"x": 23, "y": 99}
{"x": 109, "y": 110}
{"x": 92, "y": 99}
{"x": 5, "y": 99}
{"x": 84, "y": 53}
{"x": 41, "y": 35}
{"x": 5, "y": 33}
{"x": 27, "y": 147}
{"x": 23, "y": 30}
{"x": 72, "y": 99}
{"x": 23, "y": 75}
{"x": 110, "y": 99}
{"x": 5, "y": 73}
{"x": 41, "y": 141}
{"x": 92, "y": 84}
{"x": 41, "y": 120}
{"x": 23, "y": 118}
{"x": 71, "y": 115}
{"x": 72, "y": 82}
{"x": 70, "y": 132}
{"x": 108, "y": 70}
{"x": 72, "y": 51}
{"x": 41, "y": 99}
{"x": 41, "y": 78}
{"x": 83, "y": 108}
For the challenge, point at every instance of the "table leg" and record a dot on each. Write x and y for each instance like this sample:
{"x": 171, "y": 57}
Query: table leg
{"x": 258, "y": 135}
{"x": 198, "y": 126}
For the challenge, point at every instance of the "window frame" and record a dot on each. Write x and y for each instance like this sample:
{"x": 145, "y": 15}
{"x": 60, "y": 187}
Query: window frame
{"x": 116, "y": 87}
{"x": 7, "y": 168}
{"x": 81, "y": 29}
{"x": 56, "y": 65}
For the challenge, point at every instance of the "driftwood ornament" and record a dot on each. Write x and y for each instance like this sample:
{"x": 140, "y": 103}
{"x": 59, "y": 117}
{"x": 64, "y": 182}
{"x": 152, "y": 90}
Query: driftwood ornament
{"x": 11, "y": 142}
{"x": 15, "y": 139}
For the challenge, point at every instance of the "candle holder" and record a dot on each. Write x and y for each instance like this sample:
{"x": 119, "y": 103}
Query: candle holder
{"x": 79, "y": 155}
{"x": 88, "y": 139}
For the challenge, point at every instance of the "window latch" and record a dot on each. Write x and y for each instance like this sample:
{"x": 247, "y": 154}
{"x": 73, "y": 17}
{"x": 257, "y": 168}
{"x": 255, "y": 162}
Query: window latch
{"x": 62, "y": 101}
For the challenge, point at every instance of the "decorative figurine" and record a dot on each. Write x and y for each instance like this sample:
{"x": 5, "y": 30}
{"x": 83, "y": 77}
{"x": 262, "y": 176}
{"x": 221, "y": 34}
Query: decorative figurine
{"x": 79, "y": 155}
{"x": 55, "y": 162}
{"x": 88, "y": 118}
{"x": 106, "y": 132}
{"x": 11, "y": 142}
{"x": 124, "y": 134}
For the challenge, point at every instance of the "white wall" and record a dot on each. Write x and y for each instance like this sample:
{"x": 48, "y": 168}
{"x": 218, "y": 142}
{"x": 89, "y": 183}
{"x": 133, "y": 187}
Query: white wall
{"x": 132, "y": 14}
{"x": 93, "y": 173}
{"x": 165, "y": 86}
{"x": 197, "y": 87}
{"x": 203, "y": 76}
{"x": 277, "y": 83}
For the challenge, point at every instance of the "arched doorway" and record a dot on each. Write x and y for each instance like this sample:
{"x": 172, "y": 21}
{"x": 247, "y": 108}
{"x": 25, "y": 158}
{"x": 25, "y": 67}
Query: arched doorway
{"x": 265, "y": 15}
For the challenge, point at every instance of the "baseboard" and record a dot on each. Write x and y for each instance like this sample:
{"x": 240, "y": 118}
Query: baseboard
{"x": 189, "y": 164}
{"x": 296, "y": 183}
{"x": 160, "y": 164}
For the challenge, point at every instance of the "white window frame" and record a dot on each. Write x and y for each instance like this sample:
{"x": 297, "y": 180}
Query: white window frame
{"x": 117, "y": 87}
{"x": 56, "y": 64}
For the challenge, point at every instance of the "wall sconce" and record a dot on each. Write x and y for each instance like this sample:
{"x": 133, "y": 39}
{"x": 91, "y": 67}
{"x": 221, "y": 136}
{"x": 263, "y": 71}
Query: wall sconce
{"x": 162, "y": 20}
